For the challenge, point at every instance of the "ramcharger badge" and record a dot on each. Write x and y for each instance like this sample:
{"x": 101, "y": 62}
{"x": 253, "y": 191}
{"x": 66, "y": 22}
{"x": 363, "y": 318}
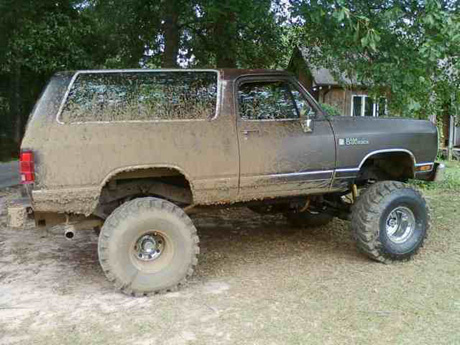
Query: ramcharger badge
{"x": 353, "y": 141}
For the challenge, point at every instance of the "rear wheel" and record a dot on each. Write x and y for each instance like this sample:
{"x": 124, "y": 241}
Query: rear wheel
{"x": 148, "y": 245}
{"x": 390, "y": 221}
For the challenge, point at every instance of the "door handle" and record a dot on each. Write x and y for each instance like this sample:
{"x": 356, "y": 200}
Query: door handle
{"x": 247, "y": 131}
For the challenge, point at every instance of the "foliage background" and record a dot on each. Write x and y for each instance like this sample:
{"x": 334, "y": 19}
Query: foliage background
{"x": 411, "y": 47}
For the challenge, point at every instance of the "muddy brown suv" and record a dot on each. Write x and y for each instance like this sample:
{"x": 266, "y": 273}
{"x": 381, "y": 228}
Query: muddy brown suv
{"x": 135, "y": 151}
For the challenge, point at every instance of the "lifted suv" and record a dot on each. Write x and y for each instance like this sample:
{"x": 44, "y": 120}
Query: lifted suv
{"x": 135, "y": 151}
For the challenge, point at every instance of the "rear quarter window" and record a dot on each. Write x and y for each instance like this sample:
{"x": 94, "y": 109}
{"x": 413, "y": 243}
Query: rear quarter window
{"x": 141, "y": 96}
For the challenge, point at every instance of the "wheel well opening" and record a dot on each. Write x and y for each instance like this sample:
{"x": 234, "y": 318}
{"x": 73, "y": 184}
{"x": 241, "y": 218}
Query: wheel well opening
{"x": 166, "y": 183}
{"x": 398, "y": 166}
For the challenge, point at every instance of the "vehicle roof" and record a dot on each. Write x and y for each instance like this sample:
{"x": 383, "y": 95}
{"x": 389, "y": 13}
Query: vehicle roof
{"x": 233, "y": 73}
{"x": 226, "y": 73}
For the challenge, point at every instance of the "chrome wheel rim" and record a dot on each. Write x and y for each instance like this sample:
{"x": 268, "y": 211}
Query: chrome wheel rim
{"x": 149, "y": 247}
{"x": 400, "y": 224}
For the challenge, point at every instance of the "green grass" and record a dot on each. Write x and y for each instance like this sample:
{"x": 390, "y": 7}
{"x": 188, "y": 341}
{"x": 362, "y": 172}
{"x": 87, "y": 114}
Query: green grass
{"x": 451, "y": 179}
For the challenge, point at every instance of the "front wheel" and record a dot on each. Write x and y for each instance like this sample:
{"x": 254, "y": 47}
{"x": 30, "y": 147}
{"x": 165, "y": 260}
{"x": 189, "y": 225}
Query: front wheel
{"x": 390, "y": 221}
{"x": 147, "y": 245}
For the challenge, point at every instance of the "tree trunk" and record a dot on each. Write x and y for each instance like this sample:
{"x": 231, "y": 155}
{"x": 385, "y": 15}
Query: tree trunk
{"x": 15, "y": 111}
{"x": 225, "y": 59}
{"x": 171, "y": 35}
{"x": 225, "y": 35}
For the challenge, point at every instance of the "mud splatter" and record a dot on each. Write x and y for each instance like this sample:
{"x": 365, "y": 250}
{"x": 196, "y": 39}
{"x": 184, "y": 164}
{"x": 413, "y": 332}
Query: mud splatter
{"x": 141, "y": 96}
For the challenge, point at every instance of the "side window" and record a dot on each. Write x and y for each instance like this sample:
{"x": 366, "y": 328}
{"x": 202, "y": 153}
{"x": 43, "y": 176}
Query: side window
{"x": 141, "y": 96}
{"x": 266, "y": 101}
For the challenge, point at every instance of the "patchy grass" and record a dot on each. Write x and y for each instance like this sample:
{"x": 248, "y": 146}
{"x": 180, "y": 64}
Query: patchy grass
{"x": 451, "y": 178}
{"x": 258, "y": 281}
{"x": 453, "y": 170}
{"x": 444, "y": 197}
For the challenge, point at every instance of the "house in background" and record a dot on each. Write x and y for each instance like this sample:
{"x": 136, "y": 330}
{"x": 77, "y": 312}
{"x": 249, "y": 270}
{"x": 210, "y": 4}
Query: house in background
{"x": 347, "y": 95}
{"x": 351, "y": 98}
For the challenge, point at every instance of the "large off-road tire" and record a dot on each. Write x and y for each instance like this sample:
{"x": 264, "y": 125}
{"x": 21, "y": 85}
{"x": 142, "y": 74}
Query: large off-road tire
{"x": 390, "y": 221}
{"x": 308, "y": 219}
{"x": 148, "y": 245}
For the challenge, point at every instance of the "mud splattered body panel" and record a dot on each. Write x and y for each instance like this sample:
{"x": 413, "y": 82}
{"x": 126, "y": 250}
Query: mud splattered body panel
{"x": 75, "y": 160}
{"x": 278, "y": 155}
{"x": 224, "y": 158}
{"x": 357, "y": 137}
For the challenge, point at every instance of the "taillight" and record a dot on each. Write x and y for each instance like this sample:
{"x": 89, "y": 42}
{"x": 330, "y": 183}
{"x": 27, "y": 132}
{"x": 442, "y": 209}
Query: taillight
{"x": 27, "y": 167}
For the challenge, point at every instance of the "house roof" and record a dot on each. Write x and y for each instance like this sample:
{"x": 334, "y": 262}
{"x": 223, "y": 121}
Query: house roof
{"x": 322, "y": 75}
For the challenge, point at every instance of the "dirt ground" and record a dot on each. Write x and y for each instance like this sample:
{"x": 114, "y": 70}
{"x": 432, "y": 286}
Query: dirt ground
{"x": 258, "y": 281}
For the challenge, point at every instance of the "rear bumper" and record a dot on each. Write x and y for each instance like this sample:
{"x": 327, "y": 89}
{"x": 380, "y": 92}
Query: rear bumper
{"x": 19, "y": 213}
{"x": 436, "y": 174}
{"x": 47, "y": 208}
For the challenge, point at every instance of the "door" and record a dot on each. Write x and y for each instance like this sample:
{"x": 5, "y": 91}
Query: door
{"x": 286, "y": 145}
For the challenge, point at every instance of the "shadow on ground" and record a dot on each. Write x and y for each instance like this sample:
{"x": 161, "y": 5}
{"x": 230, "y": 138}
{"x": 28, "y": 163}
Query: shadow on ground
{"x": 258, "y": 281}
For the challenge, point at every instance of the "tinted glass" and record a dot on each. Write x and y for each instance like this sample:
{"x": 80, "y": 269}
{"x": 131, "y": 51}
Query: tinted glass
{"x": 144, "y": 96}
{"x": 266, "y": 101}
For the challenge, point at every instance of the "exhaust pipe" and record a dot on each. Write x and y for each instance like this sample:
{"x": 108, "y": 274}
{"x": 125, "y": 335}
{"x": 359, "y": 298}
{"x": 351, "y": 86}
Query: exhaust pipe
{"x": 69, "y": 233}
{"x": 70, "y": 229}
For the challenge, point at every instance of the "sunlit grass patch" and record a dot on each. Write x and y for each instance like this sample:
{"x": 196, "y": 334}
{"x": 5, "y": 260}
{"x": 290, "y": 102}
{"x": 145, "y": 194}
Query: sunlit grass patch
{"x": 451, "y": 179}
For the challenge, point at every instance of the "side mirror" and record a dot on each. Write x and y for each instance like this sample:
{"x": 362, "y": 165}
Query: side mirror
{"x": 307, "y": 125}
{"x": 306, "y": 120}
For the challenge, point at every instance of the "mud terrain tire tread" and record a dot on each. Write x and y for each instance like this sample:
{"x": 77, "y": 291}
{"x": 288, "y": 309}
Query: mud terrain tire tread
{"x": 132, "y": 208}
{"x": 365, "y": 218}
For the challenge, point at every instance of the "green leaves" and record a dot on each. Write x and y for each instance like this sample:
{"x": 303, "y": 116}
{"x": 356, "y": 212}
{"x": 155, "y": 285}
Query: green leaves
{"x": 407, "y": 49}
{"x": 46, "y": 37}
{"x": 38, "y": 38}
{"x": 370, "y": 40}
{"x": 341, "y": 14}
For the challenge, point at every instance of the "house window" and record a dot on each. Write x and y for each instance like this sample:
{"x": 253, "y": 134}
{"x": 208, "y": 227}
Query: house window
{"x": 363, "y": 105}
